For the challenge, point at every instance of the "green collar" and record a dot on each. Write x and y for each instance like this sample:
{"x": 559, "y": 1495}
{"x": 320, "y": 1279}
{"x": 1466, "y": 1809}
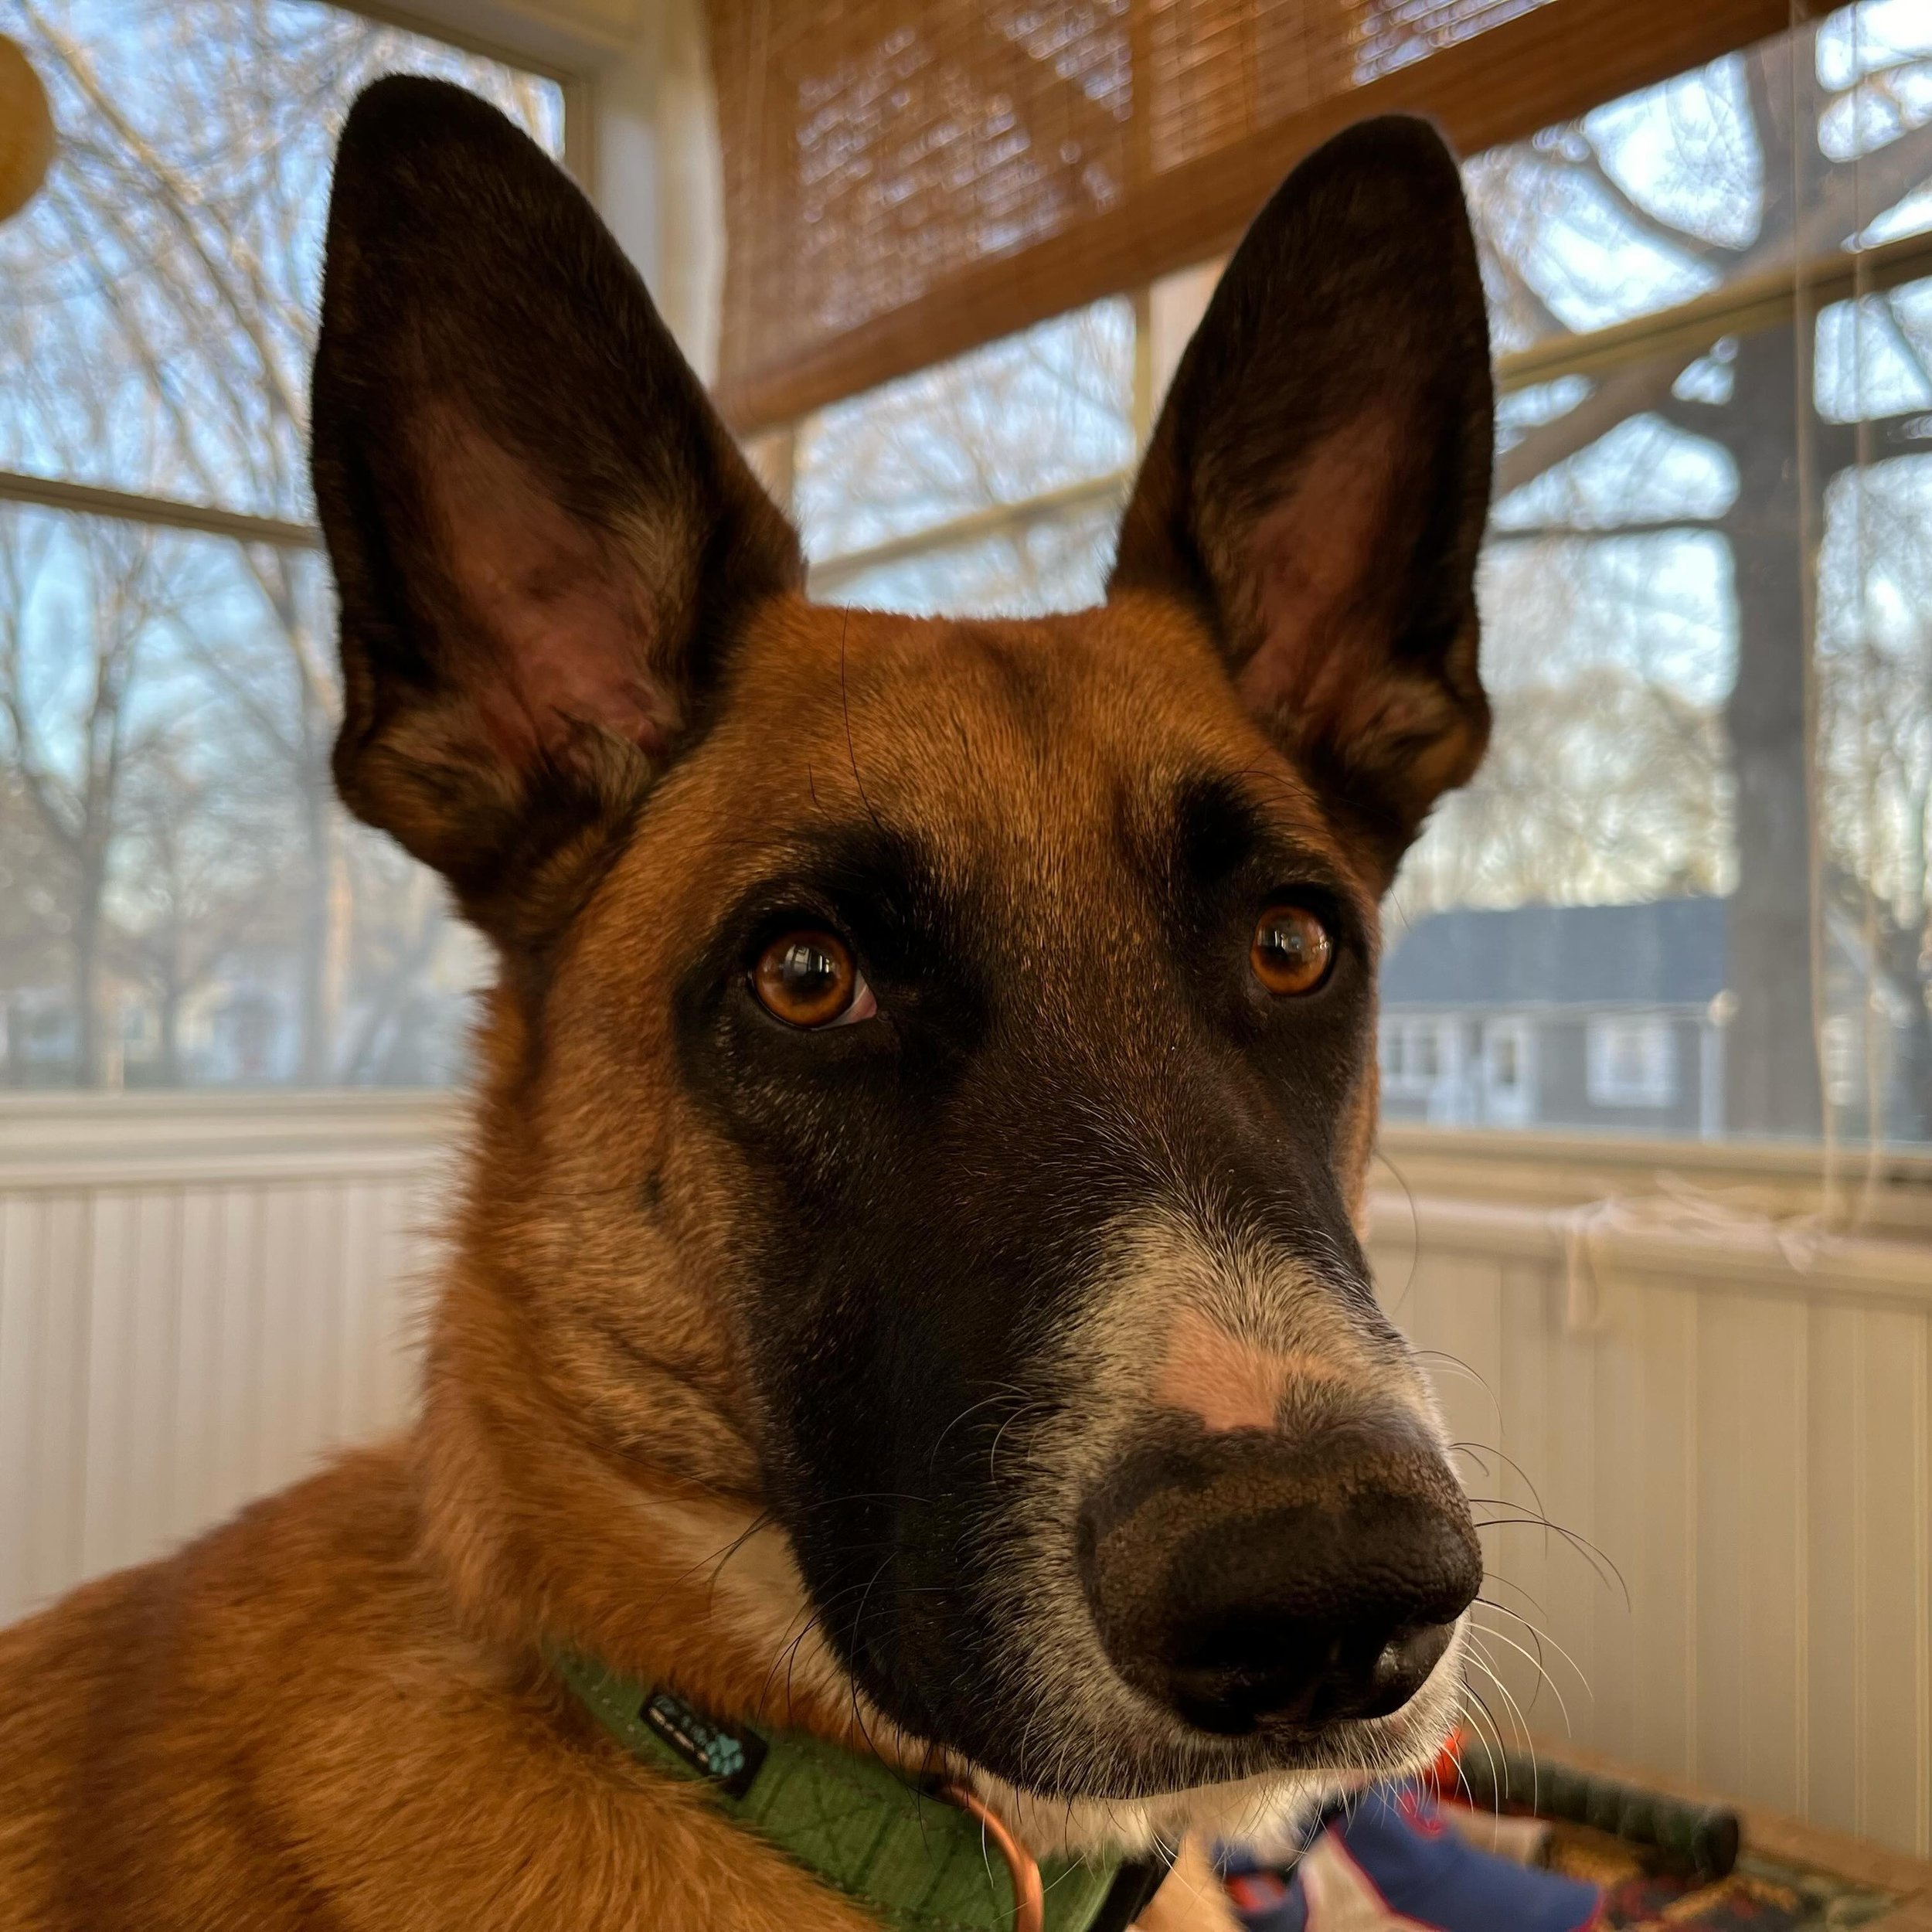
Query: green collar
{"x": 917, "y": 1861}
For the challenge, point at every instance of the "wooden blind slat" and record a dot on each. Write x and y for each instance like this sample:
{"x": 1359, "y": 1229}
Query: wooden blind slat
{"x": 899, "y": 193}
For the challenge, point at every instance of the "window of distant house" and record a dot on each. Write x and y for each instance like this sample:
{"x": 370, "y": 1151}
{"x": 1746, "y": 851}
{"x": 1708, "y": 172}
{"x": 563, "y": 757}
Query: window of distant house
{"x": 1506, "y": 1045}
{"x": 1393, "y": 1061}
{"x": 1507, "y": 1097}
{"x": 1632, "y": 1062}
{"x": 1411, "y": 1055}
{"x": 181, "y": 902}
{"x": 1708, "y": 590}
{"x": 1393, "y": 1064}
{"x": 1502, "y": 1058}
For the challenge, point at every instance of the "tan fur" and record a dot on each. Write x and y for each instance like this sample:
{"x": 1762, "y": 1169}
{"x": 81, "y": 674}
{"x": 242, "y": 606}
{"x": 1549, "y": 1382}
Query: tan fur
{"x": 327, "y": 1713}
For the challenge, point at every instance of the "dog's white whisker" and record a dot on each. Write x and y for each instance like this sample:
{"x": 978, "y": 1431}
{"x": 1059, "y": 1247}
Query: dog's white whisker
{"x": 1541, "y": 1637}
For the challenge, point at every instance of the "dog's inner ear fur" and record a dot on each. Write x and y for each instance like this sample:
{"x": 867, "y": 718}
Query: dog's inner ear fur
{"x": 543, "y": 535}
{"x": 1319, "y": 478}
{"x": 556, "y": 627}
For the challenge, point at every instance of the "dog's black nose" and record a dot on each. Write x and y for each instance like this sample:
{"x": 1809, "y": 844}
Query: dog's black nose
{"x": 1252, "y": 1578}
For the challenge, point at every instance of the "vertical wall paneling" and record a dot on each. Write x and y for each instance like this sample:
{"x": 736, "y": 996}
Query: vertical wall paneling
{"x": 1892, "y": 1506}
{"x": 54, "y": 1478}
{"x": 191, "y": 1314}
{"x": 1834, "y": 1756}
{"x": 1754, "y": 1456}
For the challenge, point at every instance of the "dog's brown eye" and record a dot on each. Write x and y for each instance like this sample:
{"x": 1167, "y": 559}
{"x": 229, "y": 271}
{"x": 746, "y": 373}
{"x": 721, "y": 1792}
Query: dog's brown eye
{"x": 810, "y": 979}
{"x": 1292, "y": 949}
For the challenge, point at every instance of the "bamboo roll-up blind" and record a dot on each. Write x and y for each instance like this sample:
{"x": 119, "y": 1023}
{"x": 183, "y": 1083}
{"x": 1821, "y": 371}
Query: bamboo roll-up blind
{"x": 906, "y": 179}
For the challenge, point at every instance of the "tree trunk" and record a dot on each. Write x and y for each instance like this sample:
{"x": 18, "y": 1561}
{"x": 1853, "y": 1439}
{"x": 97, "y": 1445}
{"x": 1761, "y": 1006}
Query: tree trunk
{"x": 168, "y": 1071}
{"x": 1771, "y": 1061}
{"x": 313, "y": 1069}
{"x": 1912, "y": 1074}
{"x": 1901, "y": 948}
{"x": 88, "y": 1018}
{"x": 324, "y": 933}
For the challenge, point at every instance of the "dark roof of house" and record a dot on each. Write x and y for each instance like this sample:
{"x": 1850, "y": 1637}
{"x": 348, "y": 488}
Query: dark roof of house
{"x": 1668, "y": 953}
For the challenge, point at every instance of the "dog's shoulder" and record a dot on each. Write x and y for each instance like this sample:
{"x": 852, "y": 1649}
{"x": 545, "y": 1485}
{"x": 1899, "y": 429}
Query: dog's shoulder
{"x": 140, "y": 1714}
{"x": 282, "y": 1726}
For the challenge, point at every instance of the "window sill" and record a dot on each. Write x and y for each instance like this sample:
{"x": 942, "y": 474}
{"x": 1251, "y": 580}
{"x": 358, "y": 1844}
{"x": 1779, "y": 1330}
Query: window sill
{"x": 59, "y": 1141}
{"x": 1528, "y": 1195}
{"x": 1592, "y": 1245}
{"x": 1889, "y": 1198}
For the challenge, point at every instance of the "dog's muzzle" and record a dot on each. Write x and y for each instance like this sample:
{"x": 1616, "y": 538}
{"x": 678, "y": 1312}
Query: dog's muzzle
{"x": 1257, "y": 1580}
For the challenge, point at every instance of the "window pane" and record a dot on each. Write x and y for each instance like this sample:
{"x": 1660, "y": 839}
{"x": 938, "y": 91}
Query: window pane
{"x": 1707, "y": 789}
{"x": 1425, "y": 1053}
{"x": 182, "y": 901}
{"x": 1039, "y": 412}
{"x": 1045, "y": 563}
{"x": 158, "y": 297}
{"x": 1632, "y": 1062}
{"x": 1684, "y": 188}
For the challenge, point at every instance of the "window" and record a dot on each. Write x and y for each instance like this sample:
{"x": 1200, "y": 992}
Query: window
{"x": 991, "y": 484}
{"x": 1632, "y": 1061}
{"x": 1423, "y": 1050}
{"x": 1394, "y": 1057}
{"x": 181, "y": 902}
{"x": 1415, "y": 1054}
{"x": 1655, "y": 646}
{"x": 1509, "y": 1072}
{"x": 1502, "y": 1050}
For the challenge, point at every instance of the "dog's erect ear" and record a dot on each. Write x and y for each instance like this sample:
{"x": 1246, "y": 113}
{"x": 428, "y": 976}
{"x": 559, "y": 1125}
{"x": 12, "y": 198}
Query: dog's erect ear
{"x": 1319, "y": 478}
{"x": 540, "y": 532}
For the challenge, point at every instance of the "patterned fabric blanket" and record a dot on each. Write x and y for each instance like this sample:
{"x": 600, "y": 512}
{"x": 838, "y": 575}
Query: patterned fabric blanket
{"x": 1399, "y": 1858}
{"x": 1760, "y": 1895}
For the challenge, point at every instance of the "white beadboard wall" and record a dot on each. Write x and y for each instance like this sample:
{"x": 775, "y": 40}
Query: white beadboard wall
{"x": 196, "y": 1301}
{"x": 1746, "y": 1442}
{"x": 197, "y": 1298}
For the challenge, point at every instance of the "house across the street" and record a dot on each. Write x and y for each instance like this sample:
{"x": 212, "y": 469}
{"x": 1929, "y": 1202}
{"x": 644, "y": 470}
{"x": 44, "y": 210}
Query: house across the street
{"x": 1610, "y": 1017}
{"x": 1584, "y": 1016}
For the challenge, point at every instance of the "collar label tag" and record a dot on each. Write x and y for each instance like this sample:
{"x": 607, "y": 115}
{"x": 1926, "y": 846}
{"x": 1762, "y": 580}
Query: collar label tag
{"x": 728, "y": 1755}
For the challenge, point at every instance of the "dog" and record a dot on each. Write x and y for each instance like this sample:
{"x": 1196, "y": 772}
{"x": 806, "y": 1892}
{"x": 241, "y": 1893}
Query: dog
{"x": 904, "y": 1296}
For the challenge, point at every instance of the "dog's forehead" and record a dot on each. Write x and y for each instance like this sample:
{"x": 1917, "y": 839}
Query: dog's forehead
{"x": 1019, "y": 736}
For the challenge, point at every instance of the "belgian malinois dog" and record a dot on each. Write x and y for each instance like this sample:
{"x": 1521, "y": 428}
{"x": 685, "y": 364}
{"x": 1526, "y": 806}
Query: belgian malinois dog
{"x": 905, "y": 1294}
